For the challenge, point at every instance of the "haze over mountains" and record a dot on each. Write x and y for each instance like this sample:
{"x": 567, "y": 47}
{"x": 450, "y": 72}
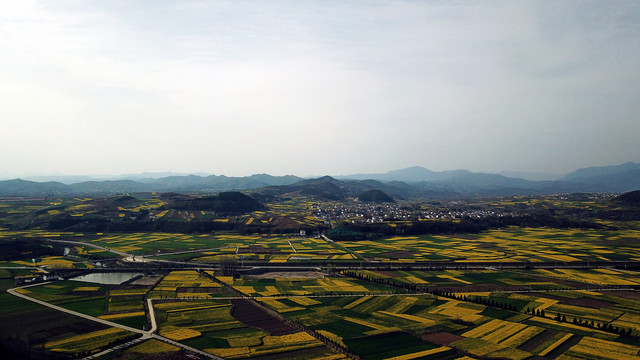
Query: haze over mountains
{"x": 405, "y": 183}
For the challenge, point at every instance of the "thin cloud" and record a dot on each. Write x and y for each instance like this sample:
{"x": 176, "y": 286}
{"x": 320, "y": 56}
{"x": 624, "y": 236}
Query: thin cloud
{"x": 312, "y": 88}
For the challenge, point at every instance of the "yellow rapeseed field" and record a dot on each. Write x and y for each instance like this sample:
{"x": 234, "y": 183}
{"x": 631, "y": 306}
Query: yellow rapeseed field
{"x": 121, "y": 315}
{"x": 153, "y": 346}
{"x": 521, "y": 337}
{"x": 453, "y": 310}
{"x": 304, "y": 301}
{"x": 444, "y": 276}
{"x": 555, "y": 344}
{"x": 87, "y": 288}
{"x": 545, "y": 303}
{"x": 421, "y": 354}
{"x": 357, "y": 302}
{"x": 275, "y": 304}
{"x": 628, "y": 320}
{"x": 403, "y": 305}
{"x": 127, "y": 292}
{"x": 244, "y": 341}
{"x": 590, "y": 347}
{"x": 331, "y": 336}
{"x": 288, "y": 339}
{"x": 415, "y": 318}
{"x": 365, "y": 323}
{"x": 93, "y": 334}
{"x": 504, "y": 332}
{"x": 484, "y": 329}
{"x": 178, "y": 333}
{"x": 232, "y": 353}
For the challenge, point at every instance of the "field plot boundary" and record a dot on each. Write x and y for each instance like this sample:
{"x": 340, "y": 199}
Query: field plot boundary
{"x": 145, "y": 334}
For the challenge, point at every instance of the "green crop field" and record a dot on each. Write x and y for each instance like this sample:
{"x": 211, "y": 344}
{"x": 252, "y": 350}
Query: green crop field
{"x": 39, "y": 330}
{"x": 504, "y": 245}
{"x": 235, "y": 292}
{"x": 304, "y": 286}
{"x": 213, "y": 327}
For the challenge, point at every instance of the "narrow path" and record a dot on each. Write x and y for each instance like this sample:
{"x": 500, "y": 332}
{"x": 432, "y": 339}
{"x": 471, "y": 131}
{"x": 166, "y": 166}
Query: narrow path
{"x": 152, "y": 317}
{"x": 292, "y": 248}
{"x": 118, "y": 347}
{"x": 123, "y": 254}
{"x": 341, "y": 247}
{"x": 180, "y": 252}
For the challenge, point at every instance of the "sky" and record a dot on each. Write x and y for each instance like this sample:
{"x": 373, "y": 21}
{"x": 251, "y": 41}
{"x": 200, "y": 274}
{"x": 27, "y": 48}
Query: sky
{"x": 317, "y": 87}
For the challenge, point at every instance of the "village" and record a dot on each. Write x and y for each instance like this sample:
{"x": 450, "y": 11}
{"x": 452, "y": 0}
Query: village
{"x": 358, "y": 212}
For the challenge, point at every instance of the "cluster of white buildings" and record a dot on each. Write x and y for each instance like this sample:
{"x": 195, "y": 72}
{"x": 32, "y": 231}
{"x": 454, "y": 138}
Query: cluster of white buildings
{"x": 374, "y": 213}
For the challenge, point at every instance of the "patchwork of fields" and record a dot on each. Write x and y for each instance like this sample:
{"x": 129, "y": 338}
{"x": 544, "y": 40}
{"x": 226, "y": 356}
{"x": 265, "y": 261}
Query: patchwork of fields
{"x": 337, "y": 308}
{"x": 505, "y": 245}
{"x": 328, "y": 317}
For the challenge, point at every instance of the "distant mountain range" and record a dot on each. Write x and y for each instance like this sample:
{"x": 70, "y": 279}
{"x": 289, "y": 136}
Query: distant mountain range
{"x": 178, "y": 183}
{"x": 412, "y": 182}
{"x": 617, "y": 178}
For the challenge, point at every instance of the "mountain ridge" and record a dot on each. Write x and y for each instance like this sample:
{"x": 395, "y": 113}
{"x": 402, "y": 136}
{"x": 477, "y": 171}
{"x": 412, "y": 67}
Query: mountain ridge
{"x": 411, "y": 182}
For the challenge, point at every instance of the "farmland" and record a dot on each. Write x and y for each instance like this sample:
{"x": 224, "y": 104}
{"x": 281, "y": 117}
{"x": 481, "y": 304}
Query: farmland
{"x": 36, "y": 329}
{"x": 232, "y": 329}
{"x": 506, "y": 245}
{"x": 352, "y": 314}
{"x": 286, "y": 292}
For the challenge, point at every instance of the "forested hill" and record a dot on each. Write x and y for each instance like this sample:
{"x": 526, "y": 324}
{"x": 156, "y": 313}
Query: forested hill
{"x": 223, "y": 203}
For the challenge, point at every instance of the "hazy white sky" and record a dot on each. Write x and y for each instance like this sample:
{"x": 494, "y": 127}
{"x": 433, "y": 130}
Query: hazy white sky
{"x": 317, "y": 87}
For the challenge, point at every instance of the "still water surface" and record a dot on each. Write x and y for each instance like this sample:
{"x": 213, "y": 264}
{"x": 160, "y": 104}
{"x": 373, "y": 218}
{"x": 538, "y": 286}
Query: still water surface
{"x": 107, "y": 278}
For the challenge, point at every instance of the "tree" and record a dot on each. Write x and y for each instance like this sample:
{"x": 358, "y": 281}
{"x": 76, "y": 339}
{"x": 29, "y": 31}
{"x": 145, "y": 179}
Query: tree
{"x": 229, "y": 266}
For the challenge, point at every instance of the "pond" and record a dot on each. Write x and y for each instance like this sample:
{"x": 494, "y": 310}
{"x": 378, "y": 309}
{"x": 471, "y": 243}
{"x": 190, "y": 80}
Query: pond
{"x": 109, "y": 278}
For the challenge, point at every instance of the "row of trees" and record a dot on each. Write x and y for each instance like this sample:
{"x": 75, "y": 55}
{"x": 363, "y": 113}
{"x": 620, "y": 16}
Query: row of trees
{"x": 600, "y": 326}
{"x": 360, "y": 231}
{"x": 487, "y": 301}
{"x": 381, "y": 281}
{"x": 296, "y": 325}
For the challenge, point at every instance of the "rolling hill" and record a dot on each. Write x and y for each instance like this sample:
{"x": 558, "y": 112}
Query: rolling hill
{"x": 412, "y": 182}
